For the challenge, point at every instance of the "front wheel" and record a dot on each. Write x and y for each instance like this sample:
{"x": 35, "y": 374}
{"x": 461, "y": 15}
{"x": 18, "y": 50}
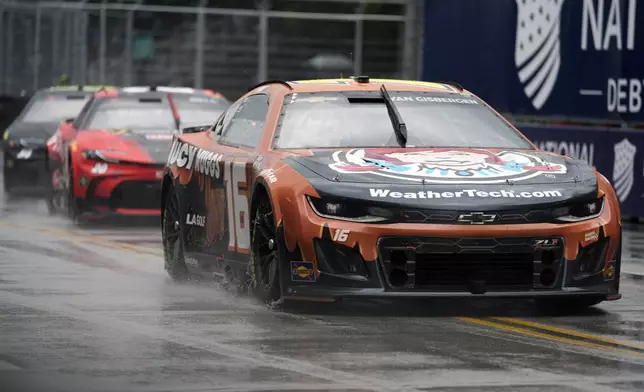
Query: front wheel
{"x": 173, "y": 255}
{"x": 72, "y": 205}
{"x": 264, "y": 255}
{"x": 52, "y": 191}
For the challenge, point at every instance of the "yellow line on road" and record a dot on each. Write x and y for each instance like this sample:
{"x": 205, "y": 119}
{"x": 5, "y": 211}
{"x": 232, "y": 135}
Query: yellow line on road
{"x": 571, "y": 332}
{"x": 547, "y": 336}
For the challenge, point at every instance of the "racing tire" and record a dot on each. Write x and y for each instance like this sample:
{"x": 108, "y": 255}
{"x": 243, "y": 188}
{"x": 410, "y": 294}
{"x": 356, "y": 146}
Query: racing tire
{"x": 567, "y": 305}
{"x": 50, "y": 195}
{"x": 171, "y": 234}
{"x": 6, "y": 180}
{"x": 264, "y": 255}
{"x": 72, "y": 205}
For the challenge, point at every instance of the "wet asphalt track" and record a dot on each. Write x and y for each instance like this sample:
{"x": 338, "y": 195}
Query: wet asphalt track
{"x": 92, "y": 310}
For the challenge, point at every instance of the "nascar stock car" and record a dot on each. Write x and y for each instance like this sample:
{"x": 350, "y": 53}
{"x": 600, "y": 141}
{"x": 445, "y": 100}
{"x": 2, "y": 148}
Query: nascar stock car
{"x": 110, "y": 159}
{"x": 362, "y": 188}
{"x": 24, "y": 144}
{"x": 195, "y": 106}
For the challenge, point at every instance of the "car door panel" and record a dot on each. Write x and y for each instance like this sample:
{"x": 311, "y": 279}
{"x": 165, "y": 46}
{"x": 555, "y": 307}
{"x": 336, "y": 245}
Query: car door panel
{"x": 216, "y": 199}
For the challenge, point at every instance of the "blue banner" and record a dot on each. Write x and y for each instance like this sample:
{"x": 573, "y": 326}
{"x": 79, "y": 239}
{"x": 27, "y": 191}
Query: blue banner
{"x": 617, "y": 154}
{"x": 574, "y": 58}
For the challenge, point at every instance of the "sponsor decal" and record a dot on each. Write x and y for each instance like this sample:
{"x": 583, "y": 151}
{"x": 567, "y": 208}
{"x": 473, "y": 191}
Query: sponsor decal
{"x": 194, "y": 158}
{"x": 447, "y": 166}
{"x": 258, "y": 162}
{"x": 591, "y": 236}
{"x": 191, "y": 261}
{"x": 610, "y": 270}
{"x": 435, "y": 100}
{"x": 25, "y": 153}
{"x": 545, "y": 243}
{"x": 623, "y": 168}
{"x": 537, "y": 53}
{"x": 196, "y": 220}
{"x": 341, "y": 235}
{"x": 100, "y": 168}
{"x": 302, "y": 271}
{"x": 476, "y": 218}
{"x": 387, "y": 193}
{"x": 159, "y": 136}
{"x": 270, "y": 174}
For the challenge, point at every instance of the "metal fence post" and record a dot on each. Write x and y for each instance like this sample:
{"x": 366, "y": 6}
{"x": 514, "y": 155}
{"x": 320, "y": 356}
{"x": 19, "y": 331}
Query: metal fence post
{"x": 84, "y": 52}
{"x": 358, "y": 41}
{"x": 9, "y": 58}
{"x": 2, "y": 55}
{"x": 69, "y": 35}
{"x": 262, "y": 43}
{"x": 408, "y": 46}
{"x": 55, "y": 44}
{"x": 36, "y": 60}
{"x": 201, "y": 26}
{"x": 103, "y": 44}
{"x": 127, "y": 77}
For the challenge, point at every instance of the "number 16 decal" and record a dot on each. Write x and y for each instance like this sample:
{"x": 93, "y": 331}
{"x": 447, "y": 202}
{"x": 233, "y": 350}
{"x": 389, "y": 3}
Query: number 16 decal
{"x": 237, "y": 205}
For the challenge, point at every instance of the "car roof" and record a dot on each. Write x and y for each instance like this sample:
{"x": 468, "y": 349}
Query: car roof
{"x": 174, "y": 90}
{"x": 359, "y": 83}
{"x": 76, "y": 88}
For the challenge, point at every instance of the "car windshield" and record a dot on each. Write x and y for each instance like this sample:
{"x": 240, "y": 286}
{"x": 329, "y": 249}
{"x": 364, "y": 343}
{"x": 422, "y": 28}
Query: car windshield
{"x": 55, "y": 108}
{"x": 361, "y": 120}
{"x": 134, "y": 114}
{"x": 199, "y": 110}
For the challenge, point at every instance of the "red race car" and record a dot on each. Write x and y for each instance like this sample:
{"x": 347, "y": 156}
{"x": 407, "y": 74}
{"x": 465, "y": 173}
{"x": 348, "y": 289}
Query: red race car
{"x": 110, "y": 159}
{"x": 195, "y": 106}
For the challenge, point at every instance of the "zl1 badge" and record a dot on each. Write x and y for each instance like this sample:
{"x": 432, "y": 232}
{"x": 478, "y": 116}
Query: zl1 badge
{"x": 302, "y": 271}
{"x": 609, "y": 272}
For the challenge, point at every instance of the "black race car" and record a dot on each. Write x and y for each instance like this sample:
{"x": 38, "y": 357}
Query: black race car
{"x": 25, "y": 141}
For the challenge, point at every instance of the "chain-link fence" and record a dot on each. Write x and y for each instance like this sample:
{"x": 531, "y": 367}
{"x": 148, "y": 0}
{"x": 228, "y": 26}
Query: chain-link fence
{"x": 224, "y": 49}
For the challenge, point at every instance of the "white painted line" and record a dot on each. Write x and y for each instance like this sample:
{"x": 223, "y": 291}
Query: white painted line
{"x": 591, "y": 92}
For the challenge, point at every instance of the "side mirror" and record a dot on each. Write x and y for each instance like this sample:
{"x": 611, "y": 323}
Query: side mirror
{"x": 197, "y": 129}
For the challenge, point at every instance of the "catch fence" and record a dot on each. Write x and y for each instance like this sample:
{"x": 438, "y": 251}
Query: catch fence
{"x": 205, "y": 47}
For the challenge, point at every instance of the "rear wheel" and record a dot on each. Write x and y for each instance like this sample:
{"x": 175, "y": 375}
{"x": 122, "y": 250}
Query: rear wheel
{"x": 264, "y": 255}
{"x": 175, "y": 263}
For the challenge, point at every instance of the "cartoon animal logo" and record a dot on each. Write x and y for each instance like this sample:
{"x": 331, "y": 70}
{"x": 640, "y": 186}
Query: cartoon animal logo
{"x": 537, "y": 49}
{"x": 447, "y": 166}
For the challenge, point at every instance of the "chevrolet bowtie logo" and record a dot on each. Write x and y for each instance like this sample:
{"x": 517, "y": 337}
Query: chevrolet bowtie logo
{"x": 476, "y": 218}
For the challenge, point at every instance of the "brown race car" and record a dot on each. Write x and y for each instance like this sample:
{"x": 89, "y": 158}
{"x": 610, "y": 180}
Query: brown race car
{"x": 327, "y": 189}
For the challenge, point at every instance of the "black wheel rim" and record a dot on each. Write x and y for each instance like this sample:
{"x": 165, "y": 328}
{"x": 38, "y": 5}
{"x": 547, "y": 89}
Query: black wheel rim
{"x": 171, "y": 229}
{"x": 266, "y": 247}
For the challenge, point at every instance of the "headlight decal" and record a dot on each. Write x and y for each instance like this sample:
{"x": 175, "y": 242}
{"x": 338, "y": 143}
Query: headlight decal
{"x": 347, "y": 211}
{"x": 580, "y": 211}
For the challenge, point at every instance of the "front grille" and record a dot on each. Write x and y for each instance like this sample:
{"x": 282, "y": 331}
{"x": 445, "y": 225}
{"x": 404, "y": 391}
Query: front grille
{"x": 451, "y": 216}
{"x": 471, "y": 264}
{"x": 136, "y": 195}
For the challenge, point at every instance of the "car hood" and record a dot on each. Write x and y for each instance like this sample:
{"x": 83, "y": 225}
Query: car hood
{"x": 451, "y": 178}
{"x": 128, "y": 145}
{"x": 32, "y": 133}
